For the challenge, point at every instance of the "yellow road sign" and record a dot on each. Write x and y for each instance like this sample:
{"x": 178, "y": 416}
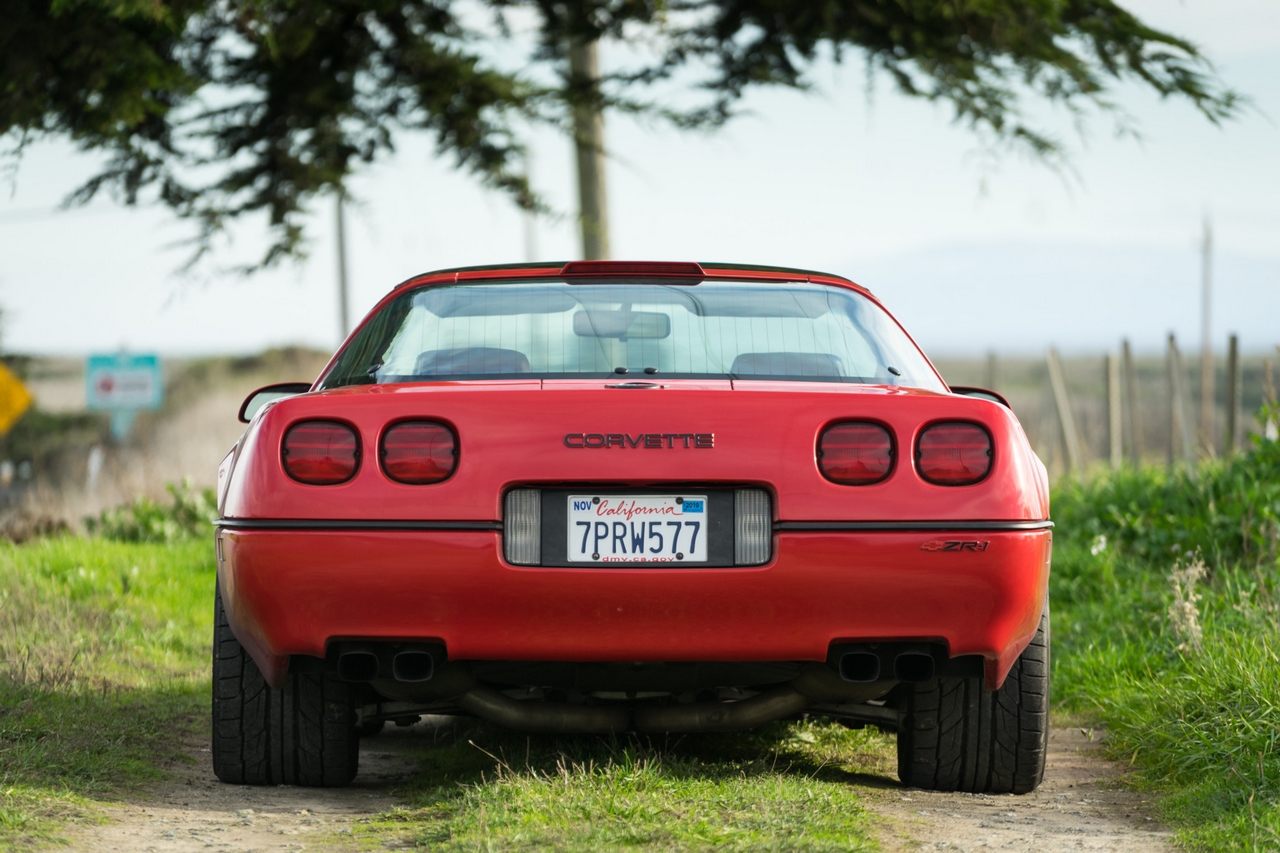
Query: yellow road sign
{"x": 15, "y": 399}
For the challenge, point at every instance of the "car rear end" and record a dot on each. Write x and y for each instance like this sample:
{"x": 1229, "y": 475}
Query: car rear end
{"x": 771, "y": 516}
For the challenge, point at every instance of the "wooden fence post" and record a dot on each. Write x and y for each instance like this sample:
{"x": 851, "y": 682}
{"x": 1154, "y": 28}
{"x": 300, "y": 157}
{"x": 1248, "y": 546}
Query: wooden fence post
{"x": 1132, "y": 418}
{"x": 1114, "y": 411}
{"x": 1233, "y": 396}
{"x": 1069, "y": 435}
{"x": 1180, "y": 423}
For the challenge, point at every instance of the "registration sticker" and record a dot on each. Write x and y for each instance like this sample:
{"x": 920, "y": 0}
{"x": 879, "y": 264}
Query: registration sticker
{"x": 637, "y": 528}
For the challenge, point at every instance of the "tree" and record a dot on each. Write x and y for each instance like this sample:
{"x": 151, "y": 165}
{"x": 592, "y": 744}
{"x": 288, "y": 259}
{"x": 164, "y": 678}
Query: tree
{"x": 225, "y": 108}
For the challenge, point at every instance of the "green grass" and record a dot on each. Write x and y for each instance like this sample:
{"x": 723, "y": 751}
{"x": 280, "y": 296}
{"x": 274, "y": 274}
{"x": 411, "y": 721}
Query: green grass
{"x": 786, "y": 787}
{"x": 103, "y": 660}
{"x": 1191, "y": 697}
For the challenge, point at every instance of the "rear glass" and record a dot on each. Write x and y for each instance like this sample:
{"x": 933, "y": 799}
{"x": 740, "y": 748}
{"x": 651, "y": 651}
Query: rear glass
{"x": 714, "y": 329}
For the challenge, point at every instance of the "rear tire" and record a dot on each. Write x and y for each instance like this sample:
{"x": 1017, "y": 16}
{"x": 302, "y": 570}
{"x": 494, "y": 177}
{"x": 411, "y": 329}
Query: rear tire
{"x": 955, "y": 735}
{"x": 301, "y": 734}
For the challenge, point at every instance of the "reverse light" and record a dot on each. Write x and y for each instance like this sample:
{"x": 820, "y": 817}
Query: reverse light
{"x": 953, "y": 454}
{"x": 856, "y": 453}
{"x": 321, "y": 453}
{"x": 419, "y": 452}
{"x": 752, "y": 527}
{"x": 522, "y": 527}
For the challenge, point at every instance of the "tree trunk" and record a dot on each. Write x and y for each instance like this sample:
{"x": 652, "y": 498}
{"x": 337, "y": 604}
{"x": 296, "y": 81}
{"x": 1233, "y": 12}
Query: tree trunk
{"x": 588, "y": 133}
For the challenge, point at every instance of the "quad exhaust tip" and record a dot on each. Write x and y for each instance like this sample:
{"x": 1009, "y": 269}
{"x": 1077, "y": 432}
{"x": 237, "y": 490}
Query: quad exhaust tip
{"x": 913, "y": 666}
{"x": 860, "y": 666}
{"x": 413, "y": 666}
{"x": 366, "y": 662}
{"x": 358, "y": 666}
{"x": 865, "y": 667}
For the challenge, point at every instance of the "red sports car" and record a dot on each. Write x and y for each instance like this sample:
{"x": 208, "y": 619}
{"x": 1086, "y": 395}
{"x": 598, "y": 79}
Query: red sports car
{"x": 621, "y": 496}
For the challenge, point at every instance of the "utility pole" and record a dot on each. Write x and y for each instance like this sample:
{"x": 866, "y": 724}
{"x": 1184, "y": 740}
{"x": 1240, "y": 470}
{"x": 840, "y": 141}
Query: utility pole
{"x": 530, "y": 218}
{"x": 588, "y": 138}
{"x": 344, "y": 321}
{"x": 1207, "y": 442}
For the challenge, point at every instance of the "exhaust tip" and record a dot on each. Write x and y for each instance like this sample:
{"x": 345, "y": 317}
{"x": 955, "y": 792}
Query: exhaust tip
{"x": 413, "y": 666}
{"x": 358, "y": 666}
{"x": 913, "y": 666}
{"x": 860, "y": 666}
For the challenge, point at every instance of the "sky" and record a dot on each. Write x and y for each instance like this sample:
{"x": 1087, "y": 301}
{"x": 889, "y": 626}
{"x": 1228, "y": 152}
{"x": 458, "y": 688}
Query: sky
{"x": 972, "y": 255}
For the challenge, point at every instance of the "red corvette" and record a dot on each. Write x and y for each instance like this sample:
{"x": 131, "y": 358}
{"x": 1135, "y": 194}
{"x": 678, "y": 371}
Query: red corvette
{"x": 614, "y": 496}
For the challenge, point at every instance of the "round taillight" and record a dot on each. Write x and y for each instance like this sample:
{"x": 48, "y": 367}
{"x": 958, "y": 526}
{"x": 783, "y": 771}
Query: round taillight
{"x": 321, "y": 453}
{"x": 855, "y": 454}
{"x": 953, "y": 454}
{"x": 418, "y": 453}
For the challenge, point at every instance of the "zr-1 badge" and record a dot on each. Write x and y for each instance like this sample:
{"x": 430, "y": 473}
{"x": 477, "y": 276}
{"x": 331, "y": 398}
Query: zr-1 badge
{"x": 955, "y": 545}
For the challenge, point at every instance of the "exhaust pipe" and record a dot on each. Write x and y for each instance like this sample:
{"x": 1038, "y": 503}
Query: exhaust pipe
{"x": 860, "y": 667}
{"x": 913, "y": 666}
{"x": 489, "y": 704}
{"x": 413, "y": 666}
{"x": 718, "y": 716}
{"x": 358, "y": 666}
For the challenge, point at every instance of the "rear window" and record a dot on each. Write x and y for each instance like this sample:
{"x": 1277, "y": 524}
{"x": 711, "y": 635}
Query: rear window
{"x": 713, "y": 329}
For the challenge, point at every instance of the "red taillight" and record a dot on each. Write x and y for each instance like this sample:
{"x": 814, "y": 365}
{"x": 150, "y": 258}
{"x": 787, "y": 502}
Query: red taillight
{"x": 419, "y": 453}
{"x": 953, "y": 454}
{"x": 321, "y": 453}
{"x": 856, "y": 454}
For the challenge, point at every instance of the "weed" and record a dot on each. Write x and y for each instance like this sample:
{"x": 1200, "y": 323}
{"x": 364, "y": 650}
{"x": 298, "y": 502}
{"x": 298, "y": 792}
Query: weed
{"x": 189, "y": 516}
{"x": 95, "y": 637}
{"x": 784, "y": 787}
{"x": 1183, "y": 666}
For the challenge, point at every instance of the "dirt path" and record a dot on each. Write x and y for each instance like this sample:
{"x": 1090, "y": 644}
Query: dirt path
{"x": 1076, "y": 809}
{"x": 192, "y": 811}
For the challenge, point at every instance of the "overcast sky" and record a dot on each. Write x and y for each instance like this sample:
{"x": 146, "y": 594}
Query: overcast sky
{"x": 971, "y": 255}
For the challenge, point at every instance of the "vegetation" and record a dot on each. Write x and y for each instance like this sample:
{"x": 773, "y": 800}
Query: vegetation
{"x": 103, "y": 660}
{"x": 220, "y": 110}
{"x": 189, "y": 516}
{"x": 1166, "y": 593}
{"x": 784, "y": 787}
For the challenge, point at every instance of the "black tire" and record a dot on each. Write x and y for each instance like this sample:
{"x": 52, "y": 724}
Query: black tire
{"x": 302, "y": 734}
{"x": 955, "y": 735}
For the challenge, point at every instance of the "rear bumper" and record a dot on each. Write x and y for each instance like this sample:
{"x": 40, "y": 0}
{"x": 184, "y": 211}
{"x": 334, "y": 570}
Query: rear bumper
{"x": 292, "y": 591}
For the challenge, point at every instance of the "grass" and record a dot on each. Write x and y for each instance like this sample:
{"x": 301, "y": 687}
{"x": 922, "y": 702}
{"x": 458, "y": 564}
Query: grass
{"x": 103, "y": 659}
{"x": 103, "y": 655}
{"x": 1166, "y": 594}
{"x": 1186, "y": 678}
{"x": 786, "y": 787}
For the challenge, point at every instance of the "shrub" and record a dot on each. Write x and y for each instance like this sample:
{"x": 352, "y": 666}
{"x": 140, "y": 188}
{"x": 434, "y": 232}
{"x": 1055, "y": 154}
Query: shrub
{"x": 189, "y": 516}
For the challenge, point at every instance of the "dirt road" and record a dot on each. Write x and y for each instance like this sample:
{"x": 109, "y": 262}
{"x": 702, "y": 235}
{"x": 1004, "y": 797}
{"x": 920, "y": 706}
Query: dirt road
{"x": 1077, "y": 808}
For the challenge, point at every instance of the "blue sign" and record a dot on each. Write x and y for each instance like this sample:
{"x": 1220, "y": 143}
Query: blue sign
{"x": 123, "y": 384}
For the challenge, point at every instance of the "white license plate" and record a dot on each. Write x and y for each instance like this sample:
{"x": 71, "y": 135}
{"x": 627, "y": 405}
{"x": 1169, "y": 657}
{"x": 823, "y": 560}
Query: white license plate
{"x": 638, "y": 528}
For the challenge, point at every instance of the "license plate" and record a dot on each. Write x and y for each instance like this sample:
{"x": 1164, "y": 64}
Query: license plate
{"x": 638, "y": 528}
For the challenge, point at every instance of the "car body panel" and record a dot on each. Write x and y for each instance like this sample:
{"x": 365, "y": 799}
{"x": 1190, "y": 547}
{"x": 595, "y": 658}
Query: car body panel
{"x": 763, "y": 435}
{"x": 295, "y": 591}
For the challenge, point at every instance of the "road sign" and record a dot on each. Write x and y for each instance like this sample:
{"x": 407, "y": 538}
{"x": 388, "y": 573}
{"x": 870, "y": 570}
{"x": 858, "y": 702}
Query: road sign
{"x": 122, "y": 383}
{"x": 15, "y": 399}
